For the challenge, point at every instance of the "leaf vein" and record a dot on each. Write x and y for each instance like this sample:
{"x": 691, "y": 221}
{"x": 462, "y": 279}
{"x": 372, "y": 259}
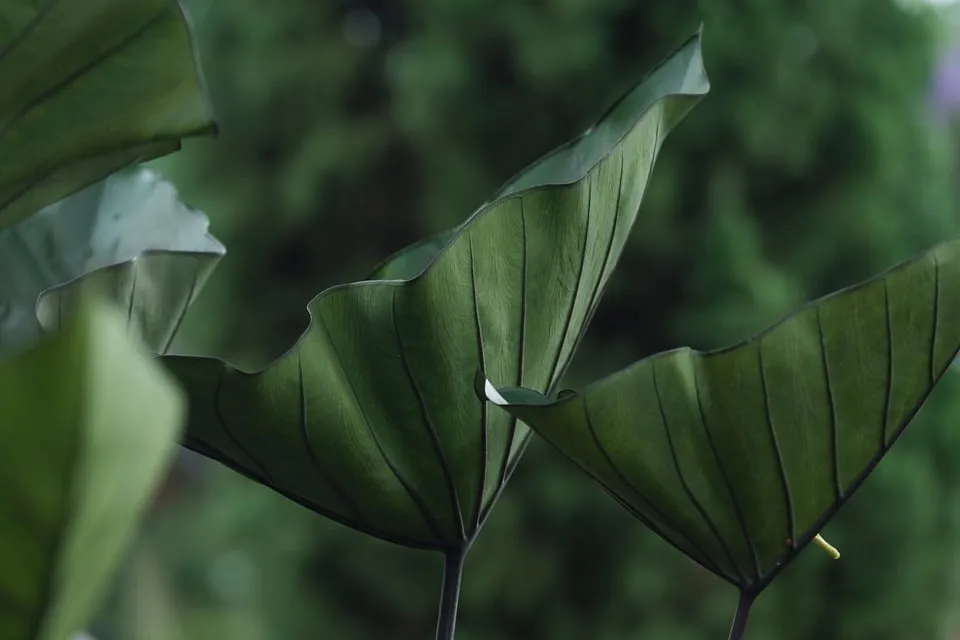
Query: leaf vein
{"x": 410, "y": 490}
{"x": 889, "y": 390}
{"x": 228, "y": 431}
{"x": 683, "y": 480}
{"x": 505, "y": 466}
{"x": 428, "y": 423}
{"x": 484, "y": 445}
{"x": 135, "y": 268}
{"x": 82, "y": 71}
{"x": 37, "y": 18}
{"x": 835, "y": 453}
{"x": 737, "y": 508}
{"x": 705, "y": 560}
{"x": 318, "y": 465}
{"x": 556, "y": 368}
{"x": 781, "y": 468}
{"x": 598, "y": 289}
{"x": 191, "y": 293}
{"x": 218, "y": 455}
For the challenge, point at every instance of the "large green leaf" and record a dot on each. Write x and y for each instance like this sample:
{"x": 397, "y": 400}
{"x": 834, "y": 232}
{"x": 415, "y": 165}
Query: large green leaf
{"x": 410, "y": 261}
{"x": 738, "y": 457}
{"x": 90, "y": 86}
{"x": 88, "y": 423}
{"x": 371, "y": 418}
{"x": 129, "y": 236}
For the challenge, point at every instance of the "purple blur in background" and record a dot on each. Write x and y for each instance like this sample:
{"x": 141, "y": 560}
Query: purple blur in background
{"x": 945, "y": 92}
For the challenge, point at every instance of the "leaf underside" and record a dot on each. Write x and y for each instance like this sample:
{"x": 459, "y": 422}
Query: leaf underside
{"x": 738, "y": 457}
{"x": 88, "y": 423}
{"x": 371, "y": 418}
{"x": 129, "y": 237}
{"x": 89, "y": 87}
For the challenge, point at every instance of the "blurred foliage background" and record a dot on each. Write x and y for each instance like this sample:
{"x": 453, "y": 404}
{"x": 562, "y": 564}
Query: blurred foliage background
{"x": 350, "y": 128}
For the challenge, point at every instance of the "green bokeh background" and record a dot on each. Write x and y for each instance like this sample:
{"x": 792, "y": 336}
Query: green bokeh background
{"x": 352, "y": 128}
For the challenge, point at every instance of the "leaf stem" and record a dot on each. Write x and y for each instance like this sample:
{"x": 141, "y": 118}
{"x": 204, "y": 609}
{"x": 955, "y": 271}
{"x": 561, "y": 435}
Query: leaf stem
{"x": 450, "y": 592}
{"x": 739, "y": 625}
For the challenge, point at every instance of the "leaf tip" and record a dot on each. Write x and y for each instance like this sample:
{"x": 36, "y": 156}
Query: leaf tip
{"x": 493, "y": 395}
{"x": 485, "y": 390}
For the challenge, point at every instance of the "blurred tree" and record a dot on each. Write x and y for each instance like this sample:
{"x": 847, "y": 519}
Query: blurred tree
{"x": 351, "y": 128}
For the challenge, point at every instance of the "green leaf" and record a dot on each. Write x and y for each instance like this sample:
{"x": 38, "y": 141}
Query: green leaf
{"x": 410, "y": 261}
{"x": 738, "y": 457}
{"x": 127, "y": 236}
{"x": 371, "y": 418}
{"x": 88, "y": 423}
{"x": 89, "y": 87}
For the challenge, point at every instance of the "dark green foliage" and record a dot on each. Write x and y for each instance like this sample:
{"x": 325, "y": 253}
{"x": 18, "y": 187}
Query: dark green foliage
{"x": 88, "y": 89}
{"x": 88, "y": 425}
{"x": 739, "y": 456}
{"x": 810, "y": 166}
{"x": 371, "y": 418}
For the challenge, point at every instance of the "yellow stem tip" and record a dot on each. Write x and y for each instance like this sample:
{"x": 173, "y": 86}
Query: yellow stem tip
{"x": 826, "y": 546}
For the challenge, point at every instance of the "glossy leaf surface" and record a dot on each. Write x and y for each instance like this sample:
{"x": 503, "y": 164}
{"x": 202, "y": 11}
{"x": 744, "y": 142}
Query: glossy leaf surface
{"x": 738, "y": 457}
{"x": 88, "y": 423}
{"x": 371, "y": 418}
{"x": 128, "y": 236}
{"x": 90, "y": 86}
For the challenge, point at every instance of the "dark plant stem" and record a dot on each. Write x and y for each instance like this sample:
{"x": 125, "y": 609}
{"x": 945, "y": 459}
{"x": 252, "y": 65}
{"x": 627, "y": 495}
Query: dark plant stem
{"x": 450, "y": 593}
{"x": 739, "y": 625}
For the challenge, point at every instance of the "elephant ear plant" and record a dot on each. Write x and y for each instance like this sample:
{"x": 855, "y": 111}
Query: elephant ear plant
{"x": 88, "y": 421}
{"x": 90, "y": 86}
{"x": 738, "y": 457}
{"x": 371, "y": 418}
{"x": 127, "y": 237}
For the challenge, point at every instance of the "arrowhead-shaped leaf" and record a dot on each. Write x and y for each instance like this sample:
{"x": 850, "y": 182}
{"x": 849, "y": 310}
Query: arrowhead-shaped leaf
{"x": 128, "y": 236}
{"x": 371, "y": 418}
{"x": 738, "y": 457}
{"x": 89, "y": 87}
{"x": 88, "y": 423}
